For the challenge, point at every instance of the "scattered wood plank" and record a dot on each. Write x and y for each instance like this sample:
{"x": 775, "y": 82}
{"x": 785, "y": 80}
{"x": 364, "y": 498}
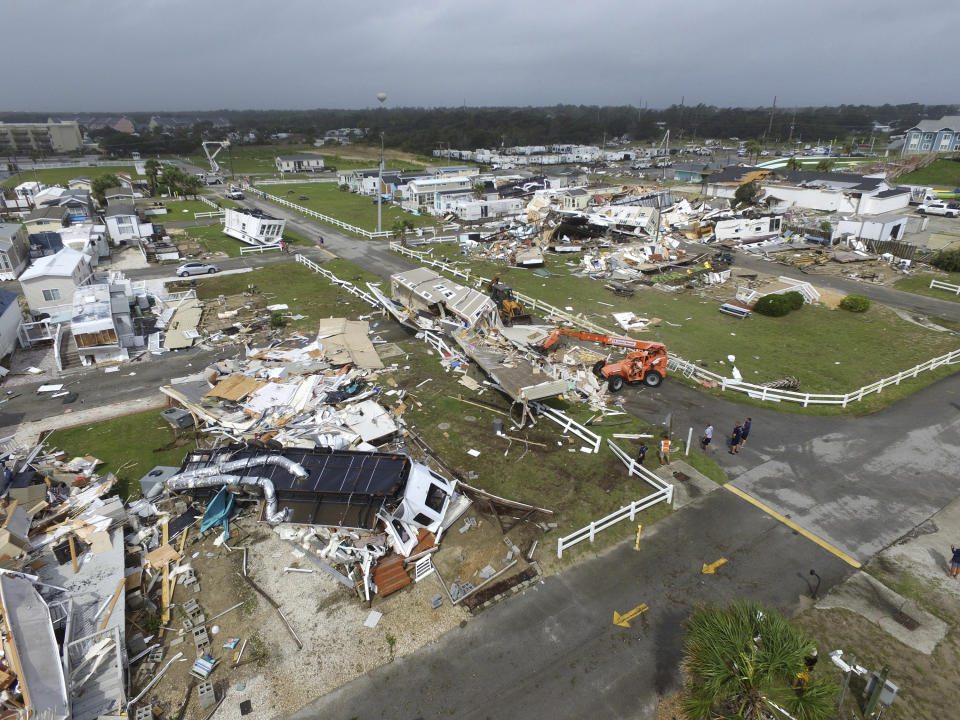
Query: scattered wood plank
{"x": 73, "y": 555}
{"x": 113, "y": 603}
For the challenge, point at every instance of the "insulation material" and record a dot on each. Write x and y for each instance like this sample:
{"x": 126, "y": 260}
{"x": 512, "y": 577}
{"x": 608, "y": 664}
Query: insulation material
{"x": 369, "y": 420}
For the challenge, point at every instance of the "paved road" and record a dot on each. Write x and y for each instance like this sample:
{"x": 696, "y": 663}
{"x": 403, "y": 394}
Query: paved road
{"x": 553, "y": 652}
{"x": 372, "y": 255}
{"x": 919, "y": 304}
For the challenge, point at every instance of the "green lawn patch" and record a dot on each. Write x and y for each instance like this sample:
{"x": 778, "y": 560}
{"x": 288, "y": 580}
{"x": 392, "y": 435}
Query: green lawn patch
{"x": 60, "y": 176}
{"x": 830, "y": 351}
{"x": 261, "y": 159}
{"x": 944, "y": 173}
{"x": 349, "y": 207}
{"x": 306, "y": 292}
{"x": 130, "y": 446}
{"x": 920, "y": 285}
{"x": 177, "y": 210}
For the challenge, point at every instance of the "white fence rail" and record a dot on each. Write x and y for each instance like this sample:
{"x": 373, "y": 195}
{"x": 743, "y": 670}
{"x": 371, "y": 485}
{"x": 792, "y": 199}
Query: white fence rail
{"x": 689, "y": 369}
{"x": 569, "y": 425}
{"x": 290, "y": 181}
{"x": 369, "y": 234}
{"x": 210, "y": 214}
{"x": 940, "y": 285}
{"x": 663, "y": 492}
{"x": 345, "y": 284}
{"x": 204, "y": 199}
{"x": 259, "y": 249}
{"x": 57, "y": 345}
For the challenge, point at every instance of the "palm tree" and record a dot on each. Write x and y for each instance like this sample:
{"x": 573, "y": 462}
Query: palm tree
{"x": 478, "y": 190}
{"x": 793, "y": 163}
{"x": 401, "y": 226}
{"x": 750, "y": 663}
{"x": 825, "y": 165}
{"x": 753, "y": 149}
{"x": 152, "y": 168}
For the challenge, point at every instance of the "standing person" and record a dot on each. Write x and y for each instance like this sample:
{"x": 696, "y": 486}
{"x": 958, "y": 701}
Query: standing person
{"x": 320, "y": 240}
{"x": 665, "y": 450}
{"x": 745, "y": 432}
{"x": 736, "y": 438}
{"x": 707, "y": 437}
{"x": 642, "y": 453}
{"x": 954, "y": 562}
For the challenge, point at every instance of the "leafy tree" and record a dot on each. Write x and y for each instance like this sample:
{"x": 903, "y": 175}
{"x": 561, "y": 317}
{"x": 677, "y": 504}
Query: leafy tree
{"x": 191, "y": 185}
{"x": 152, "y": 167}
{"x": 747, "y": 194}
{"x": 794, "y": 163}
{"x": 401, "y": 226}
{"x": 855, "y": 303}
{"x": 754, "y": 149}
{"x": 478, "y": 190}
{"x": 947, "y": 260}
{"x": 100, "y": 185}
{"x": 174, "y": 179}
{"x": 747, "y": 662}
{"x": 825, "y": 165}
{"x": 773, "y": 305}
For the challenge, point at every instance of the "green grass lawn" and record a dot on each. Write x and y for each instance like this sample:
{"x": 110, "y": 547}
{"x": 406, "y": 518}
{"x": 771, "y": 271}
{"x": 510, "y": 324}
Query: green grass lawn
{"x": 306, "y": 292}
{"x": 943, "y": 173}
{"x": 60, "y": 176}
{"x": 177, "y": 209}
{"x": 920, "y": 285}
{"x": 831, "y": 351}
{"x": 260, "y": 159}
{"x": 349, "y": 207}
{"x": 130, "y": 446}
{"x": 212, "y": 239}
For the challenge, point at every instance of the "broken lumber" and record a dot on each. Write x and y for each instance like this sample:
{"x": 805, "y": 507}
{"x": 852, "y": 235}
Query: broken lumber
{"x": 276, "y": 606}
{"x": 113, "y": 603}
{"x": 479, "y": 405}
{"x": 73, "y": 555}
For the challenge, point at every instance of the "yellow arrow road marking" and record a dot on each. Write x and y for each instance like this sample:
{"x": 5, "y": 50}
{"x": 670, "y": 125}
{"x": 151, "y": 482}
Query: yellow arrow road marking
{"x": 624, "y": 620}
{"x": 711, "y": 569}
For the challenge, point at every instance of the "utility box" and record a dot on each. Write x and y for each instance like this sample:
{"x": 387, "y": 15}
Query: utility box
{"x": 178, "y": 418}
{"x": 887, "y": 695}
{"x": 156, "y": 477}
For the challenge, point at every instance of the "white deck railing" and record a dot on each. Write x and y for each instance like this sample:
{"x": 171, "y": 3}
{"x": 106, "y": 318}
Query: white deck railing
{"x": 940, "y": 285}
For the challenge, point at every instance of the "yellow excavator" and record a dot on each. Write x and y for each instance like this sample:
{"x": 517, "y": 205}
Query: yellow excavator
{"x": 511, "y": 310}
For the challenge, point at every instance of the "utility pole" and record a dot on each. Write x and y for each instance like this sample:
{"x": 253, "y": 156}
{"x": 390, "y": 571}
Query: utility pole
{"x": 793, "y": 122}
{"x": 770, "y": 124}
{"x": 380, "y": 189}
{"x": 875, "y": 695}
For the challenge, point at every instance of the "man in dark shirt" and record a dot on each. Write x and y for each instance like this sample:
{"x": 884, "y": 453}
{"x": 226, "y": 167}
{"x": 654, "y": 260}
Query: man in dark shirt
{"x": 745, "y": 431}
{"x": 642, "y": 453}
{"x": 954, "y": 562}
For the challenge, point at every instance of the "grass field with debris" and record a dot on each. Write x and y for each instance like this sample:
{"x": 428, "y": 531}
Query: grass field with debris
{"x": 830, "y": 351}
{"x": 60, "y": 176}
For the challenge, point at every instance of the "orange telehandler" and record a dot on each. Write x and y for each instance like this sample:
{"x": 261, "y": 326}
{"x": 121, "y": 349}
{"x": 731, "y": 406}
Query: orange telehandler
{"x": 646, "y": 363}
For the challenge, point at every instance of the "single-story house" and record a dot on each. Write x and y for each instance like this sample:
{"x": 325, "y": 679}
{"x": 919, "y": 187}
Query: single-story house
{"x": 574, "y": 199}
{"x": 14, "y": 250}
{"x": 45, "y": 219}
{"x": 299, "y": 163}
{"x": 80, "y": 183}
{"x": 10, "y": 319}
{"x": 101, "y": 324}
{"x": 50, "y": 283}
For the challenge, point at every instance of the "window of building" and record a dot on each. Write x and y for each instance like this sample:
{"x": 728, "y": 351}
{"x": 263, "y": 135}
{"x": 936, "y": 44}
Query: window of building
{"x": 51, "y": 294}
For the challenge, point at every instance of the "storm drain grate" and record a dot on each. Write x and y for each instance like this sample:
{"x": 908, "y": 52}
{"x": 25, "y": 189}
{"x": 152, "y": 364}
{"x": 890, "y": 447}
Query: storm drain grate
{"x": 908, "y": 622}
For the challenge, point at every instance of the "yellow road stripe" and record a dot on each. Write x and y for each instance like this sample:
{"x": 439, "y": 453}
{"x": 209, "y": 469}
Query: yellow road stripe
{"x": 790, "y": 524}
{"x": 328, "y": 252}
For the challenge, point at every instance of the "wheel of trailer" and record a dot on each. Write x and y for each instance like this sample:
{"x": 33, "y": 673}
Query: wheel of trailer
{"x": 597, "y": 367}
{"x": 615, "y": 383}
{"x": 653, "y": 378}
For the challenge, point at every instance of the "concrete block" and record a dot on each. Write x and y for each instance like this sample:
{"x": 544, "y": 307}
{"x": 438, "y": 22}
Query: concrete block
{"x": 156, "y": 655}
{"x": 191, "y": 606}
{"x": 187, "y": 624}
{"x": 144, "y": 712}
{"x": 206, "y": 694}
{"x": 436, "y": 601}
{"x": 176, "y": 640}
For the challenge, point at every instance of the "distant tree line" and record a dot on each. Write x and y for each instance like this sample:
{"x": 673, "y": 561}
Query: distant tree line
{"x": 422, "y": 130}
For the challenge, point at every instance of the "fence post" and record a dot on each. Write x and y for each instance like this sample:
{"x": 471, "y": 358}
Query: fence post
{"x": 593, "y": 530}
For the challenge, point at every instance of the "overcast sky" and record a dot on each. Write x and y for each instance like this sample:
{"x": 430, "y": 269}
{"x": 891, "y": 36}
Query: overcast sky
{"x": 137, "y": 55}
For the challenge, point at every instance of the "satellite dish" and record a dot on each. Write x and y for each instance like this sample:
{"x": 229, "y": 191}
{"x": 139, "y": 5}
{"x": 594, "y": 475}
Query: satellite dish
{"x": 382, "y": 97}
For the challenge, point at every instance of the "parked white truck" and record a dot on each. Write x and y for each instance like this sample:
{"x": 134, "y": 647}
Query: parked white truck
{"x": 950, "y": 210}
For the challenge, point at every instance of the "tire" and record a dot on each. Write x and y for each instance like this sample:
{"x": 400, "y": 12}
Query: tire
{"x": 921, "y": 212}
{"x": 598, "y": 368}
{"x": 211, "y": 271}
{"x": 615, "y": 383}
{"x": 652, "y": 378}
{"x": 183, "y": 275}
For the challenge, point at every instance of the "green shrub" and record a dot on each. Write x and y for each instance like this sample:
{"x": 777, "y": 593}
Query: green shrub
{"x": 794, "y": 299}
{"x": 947, "y": 260}
{"x": 277, "y": 320}
{"x": 855, "y": 303}
{"x": 772, "y": 306}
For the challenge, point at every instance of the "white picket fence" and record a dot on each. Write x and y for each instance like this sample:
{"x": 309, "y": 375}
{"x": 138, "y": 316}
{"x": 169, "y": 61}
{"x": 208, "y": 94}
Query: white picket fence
{"x": 369, "y": 234}
{"x": 663, "y": 492}
{"x": 290, "y": 181}
{"x": 210, "y": 214}
{"x": 345, "y": 284}
{"x": 940, "y": 285}
{"x": 691, "y": 370}
{"x": 258, "y": 249}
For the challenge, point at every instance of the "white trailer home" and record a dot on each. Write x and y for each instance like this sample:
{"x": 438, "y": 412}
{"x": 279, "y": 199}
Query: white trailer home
{"x": 253, "y": 227}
